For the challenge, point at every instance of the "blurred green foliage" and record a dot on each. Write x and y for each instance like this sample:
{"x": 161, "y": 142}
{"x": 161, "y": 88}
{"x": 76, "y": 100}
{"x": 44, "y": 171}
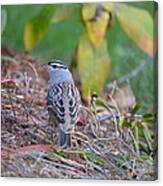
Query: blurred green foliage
{"x": 62, "y": 39}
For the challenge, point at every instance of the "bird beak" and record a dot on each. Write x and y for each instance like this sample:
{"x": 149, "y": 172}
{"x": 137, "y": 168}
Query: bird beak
{"x": 44, "y": 65}
{"x": 49, "y": 68}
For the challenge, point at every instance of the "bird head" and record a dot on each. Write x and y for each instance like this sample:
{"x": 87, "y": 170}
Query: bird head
{"x": 56, "y": 64}
{"x": 58, "y": 71}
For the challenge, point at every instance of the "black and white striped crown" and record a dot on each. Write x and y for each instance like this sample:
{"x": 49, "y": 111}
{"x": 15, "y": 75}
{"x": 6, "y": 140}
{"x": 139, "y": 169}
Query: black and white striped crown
{"x": 56, "y": 63}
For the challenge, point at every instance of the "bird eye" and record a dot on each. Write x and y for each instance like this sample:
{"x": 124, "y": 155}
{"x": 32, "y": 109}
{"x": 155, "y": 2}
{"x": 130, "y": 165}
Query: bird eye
{"x": 57, "y": 64}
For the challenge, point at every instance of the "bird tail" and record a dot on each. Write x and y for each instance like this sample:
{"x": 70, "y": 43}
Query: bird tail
{"x": 64, "y": 139}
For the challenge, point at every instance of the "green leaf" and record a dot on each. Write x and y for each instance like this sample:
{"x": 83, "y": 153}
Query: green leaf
{"x": 36, "y": 28}
{"x": 147, "y": 132}
{"x": 3, "y": 20}
{"x": 93, "y": 66}
{"x": 121, "y": 158}
{"x": 100, "y": 110}
{"x": 136, "y": 108}
{"x": 61, "y": 153}
{"x": 104, "y": 103}
{"x": 143, "y": 158}
{"x": 149, "y": 117}
{"x": 147, "y": 136}
{"x": 121, "y": 121}
{"x": 95, "y": 159}
{"x": 92, "y": 157}
{"x": 138, "y": 25}
{"x": 136, "y": 133}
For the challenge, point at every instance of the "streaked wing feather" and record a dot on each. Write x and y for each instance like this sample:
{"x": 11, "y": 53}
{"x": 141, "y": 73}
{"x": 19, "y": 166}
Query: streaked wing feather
{"x": 62, "y": 96}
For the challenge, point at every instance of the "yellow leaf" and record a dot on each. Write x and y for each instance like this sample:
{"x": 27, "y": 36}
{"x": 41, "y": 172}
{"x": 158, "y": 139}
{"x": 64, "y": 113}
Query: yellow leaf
{"x": 138, "y": 25}
{"x": 109, "y": 6}
{"x": 96, "y": 18}
{"x": 93, "y": 65}
{"x": 64, "y": 11}
{"x": 36, "y": 28}
{"x": 31, "y": 37}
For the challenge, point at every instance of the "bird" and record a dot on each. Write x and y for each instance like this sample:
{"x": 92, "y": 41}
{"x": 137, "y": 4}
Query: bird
{"x": 63, "y": 101}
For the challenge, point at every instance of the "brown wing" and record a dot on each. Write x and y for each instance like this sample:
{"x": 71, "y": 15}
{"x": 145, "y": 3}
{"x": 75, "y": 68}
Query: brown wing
{"x": 63, "y": 103}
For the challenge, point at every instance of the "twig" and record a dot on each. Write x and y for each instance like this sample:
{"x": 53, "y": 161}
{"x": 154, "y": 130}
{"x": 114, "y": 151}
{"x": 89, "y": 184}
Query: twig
{"x": 69, "y": 162}
{"x": 9, "y": 96}
{"x": 7, "y": 58}
{"x": 131, "y": 75}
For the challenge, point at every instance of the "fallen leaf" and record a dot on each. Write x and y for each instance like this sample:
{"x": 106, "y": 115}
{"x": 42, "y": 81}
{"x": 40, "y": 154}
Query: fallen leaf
{"x": 41, "y": 102}
{"x": 7, "y": 82}
{"x": 22, "y": 118}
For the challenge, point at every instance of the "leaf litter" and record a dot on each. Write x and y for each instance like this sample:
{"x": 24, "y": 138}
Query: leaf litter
{"x": 101, "y": 149}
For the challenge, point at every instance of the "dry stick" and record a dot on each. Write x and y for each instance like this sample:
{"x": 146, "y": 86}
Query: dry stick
{"x": 81, "y": 134}
{"x": 93, "y": 120}
{"x": 28, "y": 114}
{"x": 36, "y": 75}
{"x": 105, "y": 139}
{"x": 91, "y": 143}
{"x": 126, "y": 145}
{"x": 8, "y": 149}
{"x": 7, "y": 58}
{"x": 78, "y": 170}
{"x": 27, "y": 82}
{"x": 89, "y": 162}
{"x": 94, "y": 113}
{"x": 135, "y": 142}
{"x": 111, "y": 110}
{"x": 115, "y": 87}
{"x": 26, "y": 111}
{"x": 114, "y": 117}
{"x": 13, "y": 110}
{"x": 112, "y": 139}
{"x": 138, "y": 117}
{"x": 80, "y": 138}
{"x": 22, "y": 104}
{"x": 127, "y": 78}
{"x": 133, "y": 73}
{"x": 61, "y": 165}
{"x": 57, "y": 171}
{"x": 110, "y": 162}
{"x": 105, "y": 149}
{"x": 69, "y": 162}
{"x": 34, "y": 70}
{"x": 68, "y": 170}
{"x": 96, "y": 167}
{"x": 38, "y": 159}
{"x": 37, "y": 137}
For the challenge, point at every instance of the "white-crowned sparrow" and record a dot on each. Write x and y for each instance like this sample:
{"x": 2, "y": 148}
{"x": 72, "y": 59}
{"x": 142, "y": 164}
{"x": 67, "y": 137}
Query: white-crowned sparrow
{"x": 63, "y": 101}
